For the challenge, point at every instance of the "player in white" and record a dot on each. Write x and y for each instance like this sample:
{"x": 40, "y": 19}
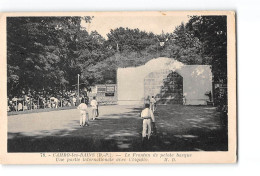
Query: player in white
{"x": 152, "y": 103}
{"x": 148, "y": 118}
{"x": 94, "y": 106}
{"x": 84, "y": 117}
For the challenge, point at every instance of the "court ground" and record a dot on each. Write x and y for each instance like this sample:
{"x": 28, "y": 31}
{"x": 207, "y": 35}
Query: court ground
{"x": 118, "y": 128}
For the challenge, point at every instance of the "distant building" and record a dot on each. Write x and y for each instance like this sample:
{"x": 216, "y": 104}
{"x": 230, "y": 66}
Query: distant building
{"x": 170, "y": 81}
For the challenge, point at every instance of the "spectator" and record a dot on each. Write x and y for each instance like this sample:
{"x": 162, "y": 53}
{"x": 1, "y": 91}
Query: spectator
{"x": 20, "y": 106}
{"x": 74, "y": 101}
{"x": 184, "y": 100}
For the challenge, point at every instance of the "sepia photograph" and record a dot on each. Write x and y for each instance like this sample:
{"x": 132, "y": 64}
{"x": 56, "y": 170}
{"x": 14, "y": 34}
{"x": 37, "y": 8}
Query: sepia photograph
{"x": 120, "y": 82}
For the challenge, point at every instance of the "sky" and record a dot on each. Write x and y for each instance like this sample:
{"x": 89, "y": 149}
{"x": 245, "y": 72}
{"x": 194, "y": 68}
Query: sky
{"x": 155, "y": 24}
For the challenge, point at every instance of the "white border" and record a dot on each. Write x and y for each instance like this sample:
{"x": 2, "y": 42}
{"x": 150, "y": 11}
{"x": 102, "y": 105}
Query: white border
{"x": 248, "y": 71}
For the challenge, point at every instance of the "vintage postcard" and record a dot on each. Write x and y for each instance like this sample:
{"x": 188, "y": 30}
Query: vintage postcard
{"x": 118, "y": 87}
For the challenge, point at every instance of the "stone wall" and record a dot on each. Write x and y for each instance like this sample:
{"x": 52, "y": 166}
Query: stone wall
{"x": 165, "y": 85}
{"x": 197, "y": 80}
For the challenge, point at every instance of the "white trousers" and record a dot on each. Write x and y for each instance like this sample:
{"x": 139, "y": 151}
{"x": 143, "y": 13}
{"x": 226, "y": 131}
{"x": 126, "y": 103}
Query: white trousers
{"x": 83, "y": 119}
{"x": 94, "y": 113}
{"x": 152, "y": 107}
{"x": 147, "y": 127}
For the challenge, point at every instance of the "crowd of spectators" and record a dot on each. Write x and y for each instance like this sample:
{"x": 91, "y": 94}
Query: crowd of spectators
{"x": 34, "y": 100}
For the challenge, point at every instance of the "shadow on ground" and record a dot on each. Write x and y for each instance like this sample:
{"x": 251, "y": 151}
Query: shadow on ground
{"x": 179, "y": 128}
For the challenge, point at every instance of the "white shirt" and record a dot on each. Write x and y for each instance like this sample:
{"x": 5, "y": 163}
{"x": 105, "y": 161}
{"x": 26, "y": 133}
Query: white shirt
{"x": 152, "y": 100}
{"x": 147, "y": 113}
{"x": 94, "y": 104}
{"x": 20, "y": 106}
{"x": 56, "y": 100}
{"x": 83, "y": 108}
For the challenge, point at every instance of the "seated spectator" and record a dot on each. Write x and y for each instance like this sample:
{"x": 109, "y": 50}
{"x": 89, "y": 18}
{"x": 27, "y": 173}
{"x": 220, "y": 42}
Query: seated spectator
{"x": 48, "y": 104}
{"x": 14, "y": 107}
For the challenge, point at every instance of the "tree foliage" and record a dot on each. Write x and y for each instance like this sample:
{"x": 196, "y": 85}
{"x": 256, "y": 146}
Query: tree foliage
{"x": 47, "y": 53}
{"x": 203, "y": 40}
{"x": 41, "y": 52}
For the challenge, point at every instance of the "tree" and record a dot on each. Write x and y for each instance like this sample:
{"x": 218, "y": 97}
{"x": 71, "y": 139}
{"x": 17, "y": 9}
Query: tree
{"x": 48, "y": 52}
{"x": 132, "y": 40}
{"x": 39, "y": 50}
{"x": 203, "y": 40}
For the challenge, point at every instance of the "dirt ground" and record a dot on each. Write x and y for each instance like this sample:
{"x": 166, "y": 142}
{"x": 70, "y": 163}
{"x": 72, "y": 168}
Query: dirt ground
{"x": 118, "y": 128}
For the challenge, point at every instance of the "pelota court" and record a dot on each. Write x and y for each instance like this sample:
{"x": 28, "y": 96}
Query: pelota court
{"x": 118, "y": 128}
